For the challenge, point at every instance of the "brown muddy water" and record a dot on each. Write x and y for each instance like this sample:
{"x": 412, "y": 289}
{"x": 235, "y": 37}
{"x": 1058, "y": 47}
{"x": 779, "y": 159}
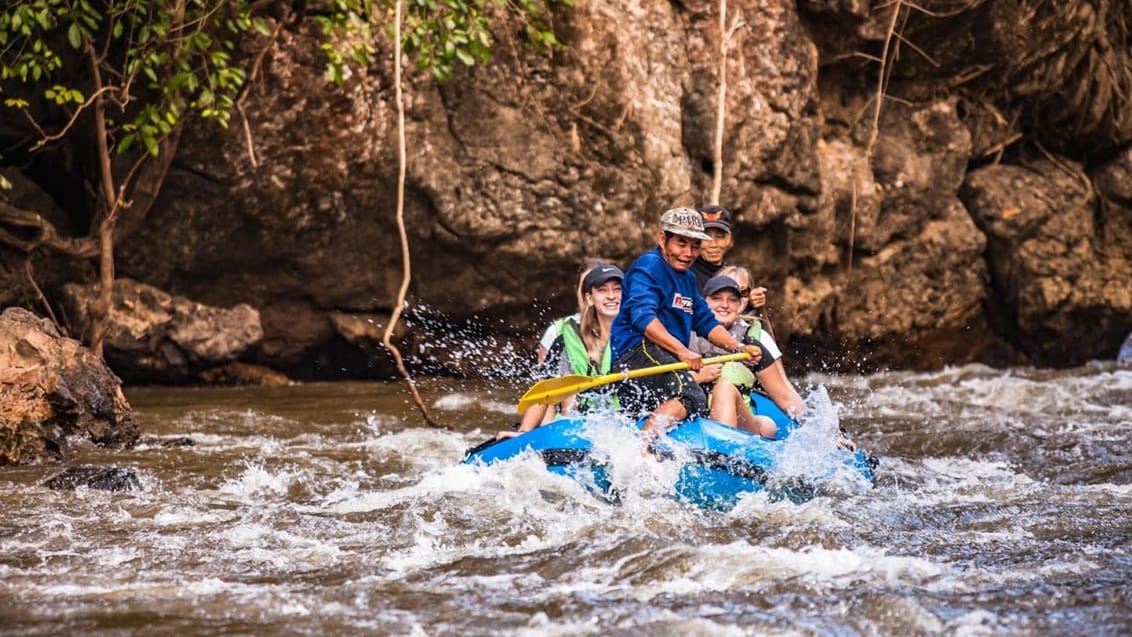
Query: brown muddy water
{"x": 1003, "y": 506}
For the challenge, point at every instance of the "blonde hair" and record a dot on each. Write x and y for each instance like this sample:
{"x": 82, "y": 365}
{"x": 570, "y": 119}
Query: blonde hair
{"x": 733, "y": 270}
{"x": 595, "y": 336}
{"x": 743, "y": 277}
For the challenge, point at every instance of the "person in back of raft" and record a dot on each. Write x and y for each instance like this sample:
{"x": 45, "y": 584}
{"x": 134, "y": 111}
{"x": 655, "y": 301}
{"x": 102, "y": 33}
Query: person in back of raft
{"x": 582, "y": 345}
{"x": 661, "y": 307}
{"x": 717, "y": 225}
{"x": 771, "y": 378}
{"x": 730, "y": 384}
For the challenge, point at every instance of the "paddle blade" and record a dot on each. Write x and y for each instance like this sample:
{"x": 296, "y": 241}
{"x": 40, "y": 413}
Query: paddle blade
{"x": 553, "y": 390}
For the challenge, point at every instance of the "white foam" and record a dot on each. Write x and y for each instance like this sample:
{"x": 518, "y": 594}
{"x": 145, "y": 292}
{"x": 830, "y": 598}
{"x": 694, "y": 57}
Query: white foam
{"x": 256, "y": 480}
{"x": 455, "y": 401}
{"x": 192, "y": 516}
{"x": 462, "y": 401}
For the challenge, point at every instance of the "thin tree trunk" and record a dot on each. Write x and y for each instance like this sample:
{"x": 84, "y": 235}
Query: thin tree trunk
{"x": 100, "y": 309}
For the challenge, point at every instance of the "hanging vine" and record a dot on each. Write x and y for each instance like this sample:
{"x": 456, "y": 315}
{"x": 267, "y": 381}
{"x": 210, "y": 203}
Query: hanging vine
{"x": 406, "y": 260}
{"x": 725, "y": 35}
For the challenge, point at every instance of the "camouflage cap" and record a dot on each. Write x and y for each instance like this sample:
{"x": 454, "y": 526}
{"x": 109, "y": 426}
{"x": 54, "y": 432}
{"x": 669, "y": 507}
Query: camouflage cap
{"x": 684, "y": 222}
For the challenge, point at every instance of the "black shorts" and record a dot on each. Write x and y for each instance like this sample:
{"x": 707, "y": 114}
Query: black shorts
{"x": 644, "y": 394}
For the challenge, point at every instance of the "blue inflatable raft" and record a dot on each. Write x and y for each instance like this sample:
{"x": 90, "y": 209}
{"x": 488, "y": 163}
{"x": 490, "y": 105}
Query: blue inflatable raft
{"x": 720, "y": 463}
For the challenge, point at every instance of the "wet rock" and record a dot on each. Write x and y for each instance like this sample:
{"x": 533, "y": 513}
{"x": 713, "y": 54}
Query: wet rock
{"x": 239, "y": 374}
{"x": 156, "y": 337}
{"x": 102, "y": 478}
{"x": 54, "y": 392}
{"x": 182, "y": 441}
{"x": 913, "y": 296}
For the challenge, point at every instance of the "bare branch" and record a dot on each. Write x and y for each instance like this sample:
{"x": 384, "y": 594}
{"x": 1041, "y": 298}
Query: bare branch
{"x": 251, "y": 77}
{"x": 882, "y": 77}
{"x": 15, "y": 223}
{"x": 923, "y": 53}
{"x": 74, "y": 116}
{"x": 725, "y": 35}
{"x": 39, "y": 292}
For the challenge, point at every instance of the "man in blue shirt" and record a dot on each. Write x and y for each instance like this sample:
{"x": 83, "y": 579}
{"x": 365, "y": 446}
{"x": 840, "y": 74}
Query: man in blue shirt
{"x": 661, "y": 306}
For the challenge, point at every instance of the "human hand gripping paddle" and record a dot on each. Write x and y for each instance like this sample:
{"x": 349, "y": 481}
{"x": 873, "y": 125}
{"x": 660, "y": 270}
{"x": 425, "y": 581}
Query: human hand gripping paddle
{"x": 554, "y": 390}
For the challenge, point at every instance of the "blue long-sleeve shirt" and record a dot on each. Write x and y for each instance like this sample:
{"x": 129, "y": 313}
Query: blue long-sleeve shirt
{"x": 653, "y": 289}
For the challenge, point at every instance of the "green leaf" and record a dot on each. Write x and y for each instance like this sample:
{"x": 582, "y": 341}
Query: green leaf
{"x": 149, "y": 141}
{"x": 124, "y": 145}
{"x": 260, "y": 26}
{"x": 74, "y": 36}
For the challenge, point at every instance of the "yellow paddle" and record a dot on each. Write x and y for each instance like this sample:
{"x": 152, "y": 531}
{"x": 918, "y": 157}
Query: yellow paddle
{"x": 554, "y": 390}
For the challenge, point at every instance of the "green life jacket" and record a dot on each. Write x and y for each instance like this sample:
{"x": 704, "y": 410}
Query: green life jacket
{"x": 576, "y": 353}
{"x": 575, "y": 350}
{"x": 739, "y": 374}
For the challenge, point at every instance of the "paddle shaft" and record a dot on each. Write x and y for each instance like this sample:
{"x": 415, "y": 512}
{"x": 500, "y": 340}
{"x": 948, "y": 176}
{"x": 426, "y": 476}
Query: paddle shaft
{"x": 554, "y": 390}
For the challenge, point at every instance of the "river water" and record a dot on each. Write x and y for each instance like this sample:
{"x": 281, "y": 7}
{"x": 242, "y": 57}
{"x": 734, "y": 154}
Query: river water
{"x": 1002, "y": 506}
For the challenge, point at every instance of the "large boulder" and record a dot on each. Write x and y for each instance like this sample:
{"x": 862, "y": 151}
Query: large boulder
{"x": 55, "y": 394}
{"x": 153, "y": 336}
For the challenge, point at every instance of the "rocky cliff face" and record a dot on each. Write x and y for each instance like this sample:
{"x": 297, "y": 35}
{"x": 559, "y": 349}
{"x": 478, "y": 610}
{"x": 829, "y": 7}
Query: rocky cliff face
{"x": 987, "y": 219}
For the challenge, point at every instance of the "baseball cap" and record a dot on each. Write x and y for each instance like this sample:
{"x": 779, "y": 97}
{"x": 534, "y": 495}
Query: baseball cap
{"x": 600, "y": 275}
{"x": 721, "y": 282}
{"x": 716, "y": 217}
{"x": 684, "y": 222}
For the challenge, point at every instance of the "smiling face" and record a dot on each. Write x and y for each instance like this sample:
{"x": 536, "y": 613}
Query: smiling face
{"x": 744, "y": 282}
{"x": 678, "y": 251}
{"x": 606, "y": 298}
{"x": 716, "y": 249}
{"x": 725, "y": 305}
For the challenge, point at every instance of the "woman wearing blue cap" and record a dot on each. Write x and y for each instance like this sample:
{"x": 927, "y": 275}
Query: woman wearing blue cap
{"x": 582, "y": 345}
{"x": 730, "y": 384}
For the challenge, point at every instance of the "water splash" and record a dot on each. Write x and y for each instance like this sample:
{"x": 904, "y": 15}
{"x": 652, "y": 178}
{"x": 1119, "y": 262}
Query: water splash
{"x": 811, "y": 455}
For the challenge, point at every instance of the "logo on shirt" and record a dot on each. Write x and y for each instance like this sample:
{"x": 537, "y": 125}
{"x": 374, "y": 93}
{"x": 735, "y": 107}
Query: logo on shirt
{"x": 682, "y": 302}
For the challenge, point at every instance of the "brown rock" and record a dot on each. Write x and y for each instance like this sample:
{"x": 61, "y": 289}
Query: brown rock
{"x": 54, "y": 392}
{"x": 153, "y": 336}
{"x": 520, "y": 168}
{"x": 243, "y": 374}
